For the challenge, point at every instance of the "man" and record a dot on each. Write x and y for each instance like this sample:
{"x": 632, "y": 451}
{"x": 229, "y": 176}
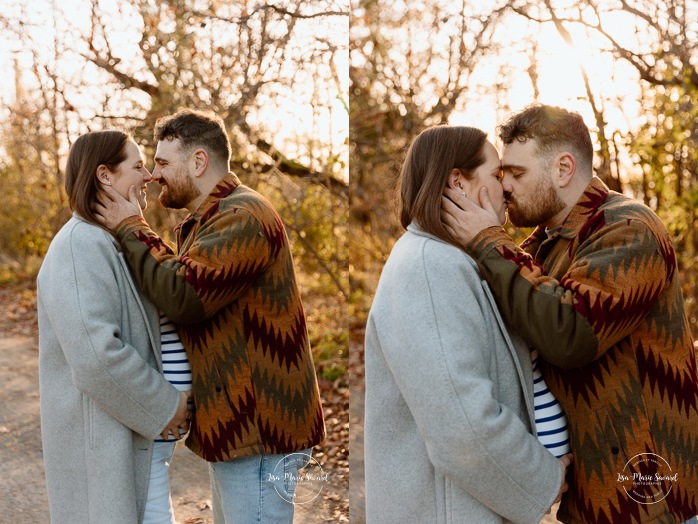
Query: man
{"x": 596, "y": 290}
{"x": 232, "y": 289}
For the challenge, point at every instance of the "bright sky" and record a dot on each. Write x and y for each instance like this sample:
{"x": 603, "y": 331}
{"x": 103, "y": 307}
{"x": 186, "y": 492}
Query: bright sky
{"x": 291, "y": 120}
{"x": 614, "y": 84}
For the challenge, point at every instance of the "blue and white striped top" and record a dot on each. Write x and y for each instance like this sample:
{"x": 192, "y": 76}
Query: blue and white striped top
{"x": 551, "y": 424}
{"x": 175, "y": 364}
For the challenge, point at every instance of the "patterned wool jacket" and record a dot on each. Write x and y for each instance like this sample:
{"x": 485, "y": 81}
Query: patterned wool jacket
{"x": 232, "y": 290}
{"x": 601, "y": 301}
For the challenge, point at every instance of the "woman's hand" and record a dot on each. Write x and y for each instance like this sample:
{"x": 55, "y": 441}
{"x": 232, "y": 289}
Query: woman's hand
{"x": 565, "y": 461}
{"x": 181, "y": 418}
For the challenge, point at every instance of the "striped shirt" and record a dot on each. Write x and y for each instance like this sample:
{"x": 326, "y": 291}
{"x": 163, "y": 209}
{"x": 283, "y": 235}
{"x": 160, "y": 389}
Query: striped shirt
{"x": 551, "y": 424}
{"x": 175, "y": 364}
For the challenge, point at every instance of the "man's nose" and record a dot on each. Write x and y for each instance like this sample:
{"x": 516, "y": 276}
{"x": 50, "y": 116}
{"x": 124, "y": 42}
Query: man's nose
{"x": 156, "y": 173}
{"x": 506, "y": 185}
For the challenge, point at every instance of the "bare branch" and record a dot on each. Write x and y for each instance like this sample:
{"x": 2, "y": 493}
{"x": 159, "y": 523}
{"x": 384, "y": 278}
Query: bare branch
{"x": 244, "y": 19}
{"x": 289, "y": 167}
{"x": 126, "y": 80}
{"x": 296, "y": 14}
{"x": 646, "y": 70}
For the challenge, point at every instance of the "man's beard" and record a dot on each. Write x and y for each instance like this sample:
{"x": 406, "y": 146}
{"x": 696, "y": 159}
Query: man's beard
{"x": 179, "y": 191}
{"x": 533, "y": 213}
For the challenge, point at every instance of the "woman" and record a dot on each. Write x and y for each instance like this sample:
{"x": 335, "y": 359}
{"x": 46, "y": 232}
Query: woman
{"x": 449, "y": 411}
{"x": 103, "y": 396}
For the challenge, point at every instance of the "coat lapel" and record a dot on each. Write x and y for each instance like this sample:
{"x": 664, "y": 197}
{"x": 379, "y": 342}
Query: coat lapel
{"x": 149, "y": 312}
{"x": 519, "y": 352}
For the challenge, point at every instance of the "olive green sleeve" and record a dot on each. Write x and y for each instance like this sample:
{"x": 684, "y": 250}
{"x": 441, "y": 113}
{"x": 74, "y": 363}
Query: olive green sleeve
{"x": 616, "y": 276}
{"x": 158, "y": 271}
{"x": 539, "y": 308}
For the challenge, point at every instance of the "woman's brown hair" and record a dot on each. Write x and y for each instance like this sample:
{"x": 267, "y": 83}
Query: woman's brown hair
{"x": 87, "y": 153}
{"x": 431, "y": 157}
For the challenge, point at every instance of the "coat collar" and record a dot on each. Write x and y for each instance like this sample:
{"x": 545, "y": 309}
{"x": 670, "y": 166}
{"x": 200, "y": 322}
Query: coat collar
{"x": 111, "y": 236}
{"x": 414, "y": 228}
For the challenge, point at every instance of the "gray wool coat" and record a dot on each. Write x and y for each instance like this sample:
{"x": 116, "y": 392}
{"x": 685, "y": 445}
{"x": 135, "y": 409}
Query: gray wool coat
{"x": 102, "y": 394}
{"x": 449, "y": 398}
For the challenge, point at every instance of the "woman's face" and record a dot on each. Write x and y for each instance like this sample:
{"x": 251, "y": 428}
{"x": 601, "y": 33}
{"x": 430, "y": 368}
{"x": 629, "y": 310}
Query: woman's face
{"x": 488, "y": 175}
{"x": 132, "y": 172}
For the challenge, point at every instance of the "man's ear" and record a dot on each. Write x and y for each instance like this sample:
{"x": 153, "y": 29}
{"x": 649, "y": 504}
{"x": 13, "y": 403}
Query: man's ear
{"x": 103, "y": 174}
{"x": 201, "y": 161}
{"x": 455, "y": 180}
{"x": 567, "y": 167}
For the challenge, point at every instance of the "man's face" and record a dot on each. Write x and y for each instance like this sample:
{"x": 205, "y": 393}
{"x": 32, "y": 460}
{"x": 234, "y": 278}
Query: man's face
{"x": 172, "y": 173}
{"x": 531, "y": 195}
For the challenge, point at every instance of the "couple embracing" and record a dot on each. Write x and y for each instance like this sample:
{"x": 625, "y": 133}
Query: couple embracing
{"x": 501, "y": 379}
{"x": 130, "y": 331}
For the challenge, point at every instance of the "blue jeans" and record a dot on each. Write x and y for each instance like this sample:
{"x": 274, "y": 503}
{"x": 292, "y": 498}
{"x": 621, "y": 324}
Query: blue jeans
{"x": 158, "y": 506}
{"x": 255, "y": 489}
{"x": 691, "y": 521}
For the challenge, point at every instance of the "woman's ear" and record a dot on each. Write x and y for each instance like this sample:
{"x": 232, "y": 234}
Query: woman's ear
{"x": 103, "y": 174}
{"x": 455, "y": 180}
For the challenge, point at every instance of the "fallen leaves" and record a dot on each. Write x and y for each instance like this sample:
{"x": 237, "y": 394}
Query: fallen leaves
{"x": 18, "y": 314}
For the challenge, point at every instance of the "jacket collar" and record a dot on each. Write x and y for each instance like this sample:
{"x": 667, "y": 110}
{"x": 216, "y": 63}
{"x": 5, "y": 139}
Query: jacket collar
{"x": 594, "y": 195}
{"x": 225, "y": 186}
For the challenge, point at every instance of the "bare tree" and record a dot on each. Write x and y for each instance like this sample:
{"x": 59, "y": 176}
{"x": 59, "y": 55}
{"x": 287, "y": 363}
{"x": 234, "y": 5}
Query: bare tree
{"x": 603, "y": 169}
{"x": 226, "y": 58}
{"x": 410, "y": 68}
{"x": 127, "y": 63}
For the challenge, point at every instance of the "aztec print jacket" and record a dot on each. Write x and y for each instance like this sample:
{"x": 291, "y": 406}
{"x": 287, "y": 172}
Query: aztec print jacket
{"x": 232, "y": 290}
{"x": 601, "y": 301}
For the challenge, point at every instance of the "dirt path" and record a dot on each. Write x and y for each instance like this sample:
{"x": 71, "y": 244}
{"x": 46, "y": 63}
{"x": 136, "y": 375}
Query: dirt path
{"x": 22, "y": 486}
{"x": 357, "y": 507}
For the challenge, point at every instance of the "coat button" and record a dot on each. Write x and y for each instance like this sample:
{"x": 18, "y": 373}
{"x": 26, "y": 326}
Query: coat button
{"x": 615, "y": 450}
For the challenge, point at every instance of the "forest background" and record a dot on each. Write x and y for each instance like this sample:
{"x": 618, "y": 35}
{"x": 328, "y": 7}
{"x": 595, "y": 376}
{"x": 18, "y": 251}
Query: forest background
{"x": 276, "y": 72}
{"x": 630, "y": 67}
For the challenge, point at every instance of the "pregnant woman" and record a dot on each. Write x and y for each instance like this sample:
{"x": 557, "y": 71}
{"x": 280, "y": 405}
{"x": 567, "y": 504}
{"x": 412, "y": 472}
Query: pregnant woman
{"x": 450, "y": 425}
{"x": 103, "y": 396}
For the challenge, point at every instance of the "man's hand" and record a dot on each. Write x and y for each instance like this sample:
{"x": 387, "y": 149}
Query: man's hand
{"x": 565, "y": 461}
{"x": 463, "y": 218}
{"x": 111, "y": 208}
{"x": 181, "y": 418}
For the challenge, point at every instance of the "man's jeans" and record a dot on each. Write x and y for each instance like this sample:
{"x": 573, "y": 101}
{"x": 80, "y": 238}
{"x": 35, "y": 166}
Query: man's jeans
{"x": 691, "y": 521}
{"x": 255, "y": 489}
